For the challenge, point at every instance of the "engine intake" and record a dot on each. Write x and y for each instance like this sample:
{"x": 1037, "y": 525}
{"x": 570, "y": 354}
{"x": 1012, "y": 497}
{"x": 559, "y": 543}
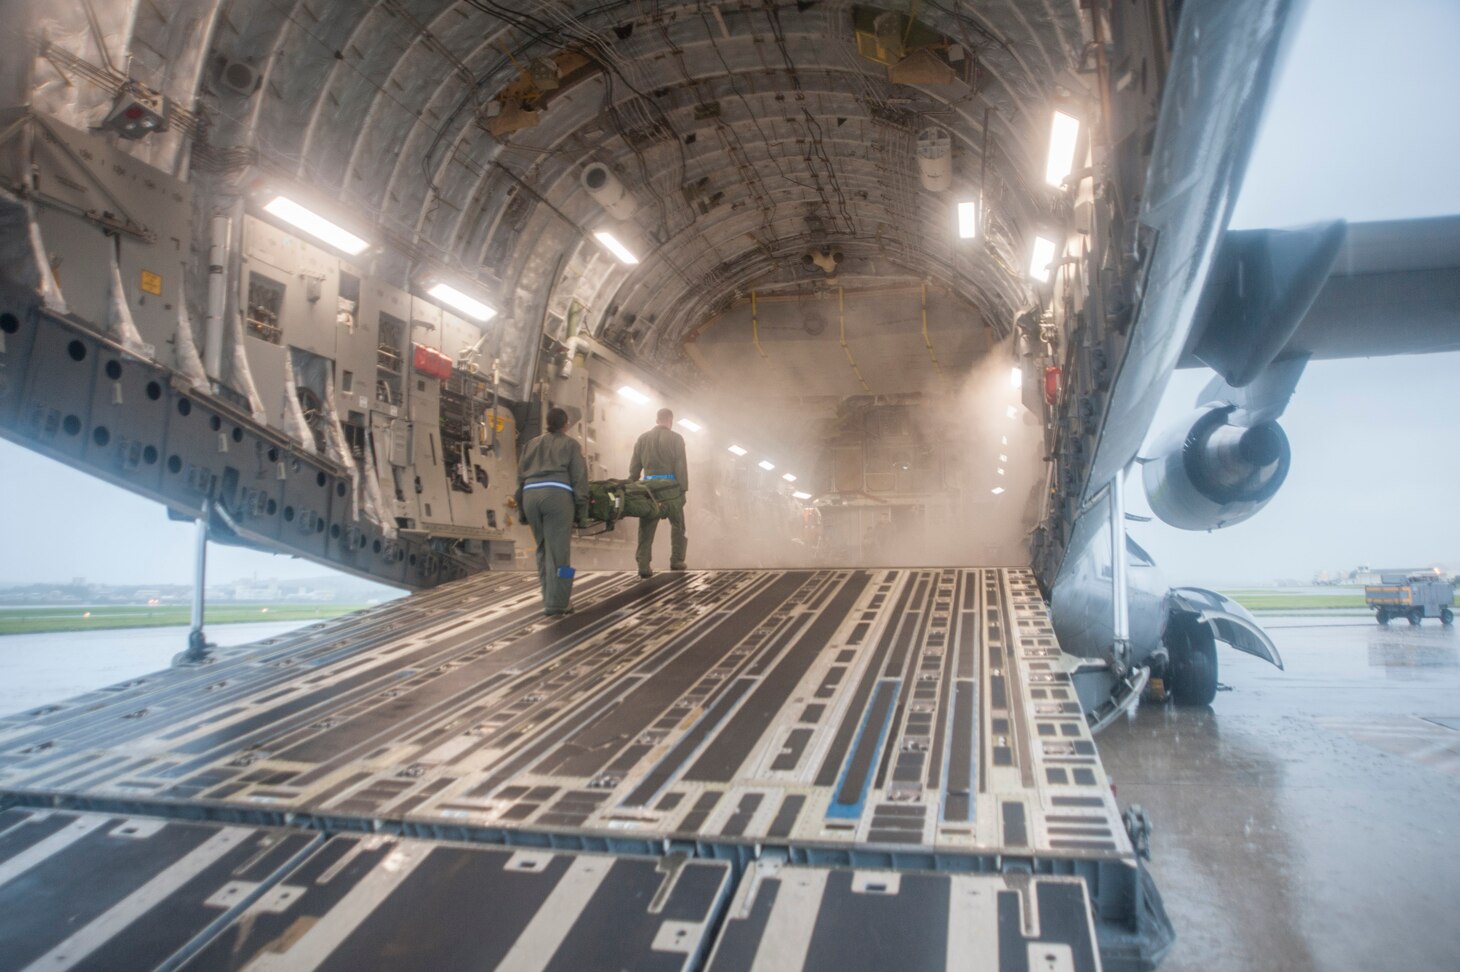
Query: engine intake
{"x": 1207, "y": 474}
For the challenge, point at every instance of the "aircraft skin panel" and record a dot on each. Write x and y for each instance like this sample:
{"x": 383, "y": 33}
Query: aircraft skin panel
{"x": 1221, "y": 66}
{"x": 884, "y": 719}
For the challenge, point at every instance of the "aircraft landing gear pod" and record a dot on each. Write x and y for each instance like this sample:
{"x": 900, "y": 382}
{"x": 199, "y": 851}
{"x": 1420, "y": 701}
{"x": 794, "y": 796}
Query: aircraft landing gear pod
{"x": 1196, "y": 619}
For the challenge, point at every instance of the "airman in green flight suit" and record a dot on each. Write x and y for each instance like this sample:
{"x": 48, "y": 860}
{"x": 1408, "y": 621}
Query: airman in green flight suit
{"x": 552, "y": 488}
{"x": 659, "y": 455}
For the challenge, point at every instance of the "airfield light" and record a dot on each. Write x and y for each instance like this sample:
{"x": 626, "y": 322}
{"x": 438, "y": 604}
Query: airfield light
{"x": 1003, "y": 440}
{"x": 737, "y": 450}
{"x": 997, "y": 490}
{"x": 692, "y": 425}
{"x": 1012, "y": 411}
{"x": 1063, "y": 132}
{"x": 1001, "y": 470}
{"x": 1016, "y": 377}
{"x": 788, "y": 477}
{"x": 612, "y": 245}
{"x": 1003, "y": 458}
{"x": 967, "y": 220}
{"x": 457, "y": 300}
{"x": 766, "y": 464}
{"x": 801, "y": 496}
{"x": 633, "y": 395}
{"x": 1043, "y": 257}
{"x": 316, "y": 225}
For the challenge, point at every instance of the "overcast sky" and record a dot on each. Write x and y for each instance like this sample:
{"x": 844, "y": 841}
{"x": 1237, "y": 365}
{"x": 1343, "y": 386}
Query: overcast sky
{"x": 1362, "y": 126}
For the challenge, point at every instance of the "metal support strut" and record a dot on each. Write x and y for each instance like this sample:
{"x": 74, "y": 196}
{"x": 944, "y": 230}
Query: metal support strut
{"x": 197, "y": 650}
{"x": 1119, "y": 563}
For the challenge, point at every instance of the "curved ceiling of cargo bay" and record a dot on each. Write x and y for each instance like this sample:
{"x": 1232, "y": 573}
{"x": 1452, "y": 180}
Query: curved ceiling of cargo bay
{"x": 746, "y": 132}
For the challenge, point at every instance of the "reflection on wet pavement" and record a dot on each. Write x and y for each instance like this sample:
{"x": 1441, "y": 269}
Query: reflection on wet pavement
{"x": 1309, "y": 819}
{"x": 36, "y": 669}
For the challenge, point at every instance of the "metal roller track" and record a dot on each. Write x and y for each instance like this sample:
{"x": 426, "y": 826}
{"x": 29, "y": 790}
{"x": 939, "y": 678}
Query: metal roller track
{"x": 908, "y": 719}
{"x": 101, "y": 892}
{"x": 88, "y": 891}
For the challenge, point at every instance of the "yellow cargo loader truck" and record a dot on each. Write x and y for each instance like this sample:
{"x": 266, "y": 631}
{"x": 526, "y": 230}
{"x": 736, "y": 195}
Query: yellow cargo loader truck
{"x": 1415, "y": 596}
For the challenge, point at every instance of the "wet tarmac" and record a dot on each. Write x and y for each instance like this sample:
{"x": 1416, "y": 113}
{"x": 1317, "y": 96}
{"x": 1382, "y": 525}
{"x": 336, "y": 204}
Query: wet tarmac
{"x": 1309, "y": 819}
{"x": 36, "y": 669}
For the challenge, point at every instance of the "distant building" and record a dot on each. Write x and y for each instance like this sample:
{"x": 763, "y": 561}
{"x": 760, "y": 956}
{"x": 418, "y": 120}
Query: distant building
{"x": 256, "y": 591}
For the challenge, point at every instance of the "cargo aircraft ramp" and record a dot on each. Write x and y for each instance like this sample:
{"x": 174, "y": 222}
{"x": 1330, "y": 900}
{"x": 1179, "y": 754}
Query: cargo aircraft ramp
{"x": 822, "y": 769}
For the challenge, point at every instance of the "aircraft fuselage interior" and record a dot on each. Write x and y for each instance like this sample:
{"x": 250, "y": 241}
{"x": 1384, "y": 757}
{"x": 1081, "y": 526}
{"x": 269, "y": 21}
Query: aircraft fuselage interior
{"x": 912, "y": 277}
{"x": 313, "y": 272}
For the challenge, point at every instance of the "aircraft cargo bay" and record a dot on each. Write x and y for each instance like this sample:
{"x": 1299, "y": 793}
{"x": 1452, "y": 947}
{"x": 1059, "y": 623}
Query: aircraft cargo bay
{"x": 898, "y": 752}
{"x": 885, "y": 297}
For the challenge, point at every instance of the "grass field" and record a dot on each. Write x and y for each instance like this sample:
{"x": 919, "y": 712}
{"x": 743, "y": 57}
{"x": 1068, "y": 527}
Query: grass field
{"x": 39, "y": 620}
{"x": 1274, "y": 601}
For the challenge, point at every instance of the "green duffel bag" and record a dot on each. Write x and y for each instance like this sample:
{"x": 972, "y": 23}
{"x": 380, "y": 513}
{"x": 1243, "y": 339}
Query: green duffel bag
{"x": 613, "y": 499}
{"x": 652, "y": 497}
{"x": 605, "y": 500}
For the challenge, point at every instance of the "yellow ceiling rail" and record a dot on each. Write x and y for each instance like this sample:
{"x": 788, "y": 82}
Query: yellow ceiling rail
{"x": 927, "y": 342}
{"x": 842, "y": 322}
{"x": 755, "y": 326}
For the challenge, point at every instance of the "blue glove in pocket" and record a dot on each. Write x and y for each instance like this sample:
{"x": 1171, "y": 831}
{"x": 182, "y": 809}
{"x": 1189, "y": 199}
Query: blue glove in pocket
{"x": 566, "y": 573}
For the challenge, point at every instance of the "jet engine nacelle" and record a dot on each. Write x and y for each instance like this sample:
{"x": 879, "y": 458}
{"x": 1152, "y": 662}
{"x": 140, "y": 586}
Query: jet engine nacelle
{"x": 1207, "y": 473}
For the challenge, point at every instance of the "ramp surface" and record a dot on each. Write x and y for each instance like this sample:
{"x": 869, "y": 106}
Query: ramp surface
{"x": 845, "y": 720}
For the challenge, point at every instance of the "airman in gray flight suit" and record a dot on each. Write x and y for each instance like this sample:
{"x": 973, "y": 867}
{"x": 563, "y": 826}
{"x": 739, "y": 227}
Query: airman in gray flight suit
{"x": 553, "y": 486}
{"x": 659, "y": 454}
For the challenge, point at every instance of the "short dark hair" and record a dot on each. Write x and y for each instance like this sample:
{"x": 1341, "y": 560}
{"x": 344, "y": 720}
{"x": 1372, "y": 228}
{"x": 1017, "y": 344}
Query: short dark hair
{"x": 557, "y": 420}
{"x": 665, "y": 415}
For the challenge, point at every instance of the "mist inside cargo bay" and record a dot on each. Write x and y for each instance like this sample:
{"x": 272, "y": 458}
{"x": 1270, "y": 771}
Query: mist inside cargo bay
{"x": 869, "y": 437}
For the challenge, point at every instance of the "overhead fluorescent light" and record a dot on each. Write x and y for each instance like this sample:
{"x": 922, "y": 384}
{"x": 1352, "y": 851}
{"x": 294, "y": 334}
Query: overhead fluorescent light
{"x": 801, "y": 496}
{"x": 633, "y": 395}
{"x": 691, "y": 424}
{"x": 997, "y": 490}
{"x": 788, "y": 477}
{"x": 1003, "y": 440}
{"x": 737, "y": 450}
{"x": 1001, "y": 470}
{"x": 457, "y": 300}
{"x": 612, "y": 245}
{"x": 1016, "y": 377}
{"x": 1003, "y": 458}
{"x": 967, "y": 220}
{"x": 1012, "y": 411}
{"x": 766, "y": 464}
{"x": 1043, "y": 257}
{"x": 316, "y": 225}
{"x": 1063, "y": 132}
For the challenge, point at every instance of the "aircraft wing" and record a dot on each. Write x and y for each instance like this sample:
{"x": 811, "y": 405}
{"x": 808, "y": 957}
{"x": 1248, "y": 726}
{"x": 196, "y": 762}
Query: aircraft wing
{"x": 1393, "y": 287}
